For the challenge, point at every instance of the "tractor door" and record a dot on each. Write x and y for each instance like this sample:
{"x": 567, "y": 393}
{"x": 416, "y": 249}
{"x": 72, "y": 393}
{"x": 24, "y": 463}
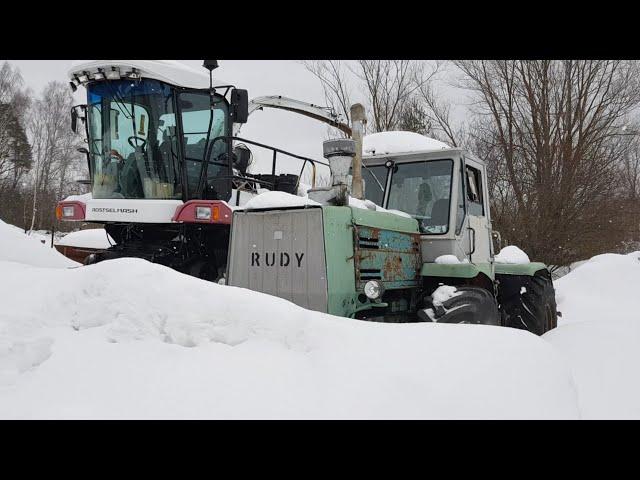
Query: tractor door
{"x": 477, "y": 228}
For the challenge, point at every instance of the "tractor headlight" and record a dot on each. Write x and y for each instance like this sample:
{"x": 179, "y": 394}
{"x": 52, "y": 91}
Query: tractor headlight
{"x": 68, "y": 211}
{"x": 203, "y": 213}
{"x": 373, "y": 290}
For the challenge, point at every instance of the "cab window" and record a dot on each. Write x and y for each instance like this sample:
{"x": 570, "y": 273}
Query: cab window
{"x": 474, "y": 192}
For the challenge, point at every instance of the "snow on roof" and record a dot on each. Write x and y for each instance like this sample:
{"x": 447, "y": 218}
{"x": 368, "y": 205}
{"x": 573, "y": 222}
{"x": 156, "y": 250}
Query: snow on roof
{"x": 383, "y": 143}
{"x": 92, "y": 238}
{"x": 169, "y": 71}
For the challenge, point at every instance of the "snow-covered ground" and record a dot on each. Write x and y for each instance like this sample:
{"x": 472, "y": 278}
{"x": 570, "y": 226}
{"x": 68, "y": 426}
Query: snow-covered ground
{"x": 131, "y": 339}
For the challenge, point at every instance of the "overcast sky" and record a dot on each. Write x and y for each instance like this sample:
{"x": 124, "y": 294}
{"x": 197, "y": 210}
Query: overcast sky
{"x": 289, "y": 78}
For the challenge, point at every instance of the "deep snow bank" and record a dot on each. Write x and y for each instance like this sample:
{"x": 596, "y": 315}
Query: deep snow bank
{"x": 599, "y": 334}
{"x": 603, "y": 288}
{"x": 108, "y": 341}
{"x": 15, "y": 246}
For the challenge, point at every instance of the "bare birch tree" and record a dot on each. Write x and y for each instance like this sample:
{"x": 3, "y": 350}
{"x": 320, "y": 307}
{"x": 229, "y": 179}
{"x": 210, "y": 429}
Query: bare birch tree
{"x": 54, "y": 145}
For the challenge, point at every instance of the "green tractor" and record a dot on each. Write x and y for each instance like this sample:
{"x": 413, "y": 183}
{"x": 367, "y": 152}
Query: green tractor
{"x": 426, "y": 255}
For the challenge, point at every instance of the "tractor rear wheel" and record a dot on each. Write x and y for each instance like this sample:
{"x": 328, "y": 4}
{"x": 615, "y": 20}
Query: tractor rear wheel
{"x": 529, "y": 303}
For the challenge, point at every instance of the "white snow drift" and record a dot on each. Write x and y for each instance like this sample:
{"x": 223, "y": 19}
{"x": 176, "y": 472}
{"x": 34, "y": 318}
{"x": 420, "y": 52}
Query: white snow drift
{"x": 131, "y": 339}
{"x": 599, "y": 334}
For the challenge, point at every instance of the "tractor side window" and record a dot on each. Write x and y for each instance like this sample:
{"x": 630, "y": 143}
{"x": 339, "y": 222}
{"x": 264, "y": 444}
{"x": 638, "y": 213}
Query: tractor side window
{"x": 461, "y": 202}
{"x": 474, "y": 192}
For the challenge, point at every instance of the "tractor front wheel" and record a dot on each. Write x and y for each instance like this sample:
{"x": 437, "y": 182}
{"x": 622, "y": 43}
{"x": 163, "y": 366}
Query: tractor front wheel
{"x": 468, "y": 304}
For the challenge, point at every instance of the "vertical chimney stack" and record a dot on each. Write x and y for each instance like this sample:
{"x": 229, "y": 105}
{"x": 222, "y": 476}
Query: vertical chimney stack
{"x": 358, "y": 121}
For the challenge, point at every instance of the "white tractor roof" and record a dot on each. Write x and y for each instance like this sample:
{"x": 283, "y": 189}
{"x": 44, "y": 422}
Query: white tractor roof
{"x": 169, "y": 71}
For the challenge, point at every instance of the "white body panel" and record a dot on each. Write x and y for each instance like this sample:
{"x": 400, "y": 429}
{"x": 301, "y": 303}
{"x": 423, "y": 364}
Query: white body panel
{"x": 131, "y": 211}
{"x": 143, "y": 211}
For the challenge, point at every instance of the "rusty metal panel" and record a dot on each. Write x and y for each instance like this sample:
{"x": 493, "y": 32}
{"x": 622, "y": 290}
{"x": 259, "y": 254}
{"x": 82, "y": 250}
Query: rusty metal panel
{"x": 391, "y": 257}
{"x": 280, "y": 252}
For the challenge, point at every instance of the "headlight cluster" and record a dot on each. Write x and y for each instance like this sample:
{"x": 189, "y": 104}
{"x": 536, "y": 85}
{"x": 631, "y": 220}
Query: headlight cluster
{"x": 112, "y": 73}
{"x": 208, "y": 213}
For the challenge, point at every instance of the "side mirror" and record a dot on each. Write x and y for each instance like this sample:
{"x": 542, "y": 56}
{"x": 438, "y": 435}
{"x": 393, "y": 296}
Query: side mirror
{"x": 75, "y": 116}
{"x": 242, "y": 158}
{"x": 239, "y": 105}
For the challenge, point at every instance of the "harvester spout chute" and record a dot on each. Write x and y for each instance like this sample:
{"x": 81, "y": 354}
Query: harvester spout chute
{"x": 322, "y": 114}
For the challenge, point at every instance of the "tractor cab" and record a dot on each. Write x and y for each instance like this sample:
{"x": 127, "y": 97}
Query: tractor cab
{"x": 445, "y": 190}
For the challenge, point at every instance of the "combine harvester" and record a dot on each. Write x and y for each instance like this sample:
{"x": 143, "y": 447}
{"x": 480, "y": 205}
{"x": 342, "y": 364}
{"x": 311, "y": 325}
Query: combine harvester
{"x": 169, "y": 180}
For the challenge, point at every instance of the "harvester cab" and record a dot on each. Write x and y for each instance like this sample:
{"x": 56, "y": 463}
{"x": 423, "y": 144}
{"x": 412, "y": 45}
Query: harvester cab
{"x": 165, "y": 167}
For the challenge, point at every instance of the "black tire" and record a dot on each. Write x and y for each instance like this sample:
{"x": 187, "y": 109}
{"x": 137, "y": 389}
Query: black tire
{"x": 533, "y": 308}
{"x": 474, "y": 305}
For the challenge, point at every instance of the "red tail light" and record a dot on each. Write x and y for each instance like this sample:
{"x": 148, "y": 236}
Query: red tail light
{"x": 203, "y": 211}
{"x": 70, "y": 211}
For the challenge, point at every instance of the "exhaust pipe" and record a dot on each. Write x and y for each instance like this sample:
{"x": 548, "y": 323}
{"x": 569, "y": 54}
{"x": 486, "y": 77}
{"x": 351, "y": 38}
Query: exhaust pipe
{"x": 339, "y": 153}
{"x": 358, "y": 121}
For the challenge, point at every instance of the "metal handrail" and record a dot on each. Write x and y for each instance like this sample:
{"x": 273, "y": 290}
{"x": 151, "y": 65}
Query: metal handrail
{"x": 205, "y": 166}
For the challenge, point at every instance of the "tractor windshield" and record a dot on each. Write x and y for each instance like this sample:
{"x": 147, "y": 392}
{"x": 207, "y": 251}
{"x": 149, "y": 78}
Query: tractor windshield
{"x": 132, "y": 140}
{"x": 423, "y": 190}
